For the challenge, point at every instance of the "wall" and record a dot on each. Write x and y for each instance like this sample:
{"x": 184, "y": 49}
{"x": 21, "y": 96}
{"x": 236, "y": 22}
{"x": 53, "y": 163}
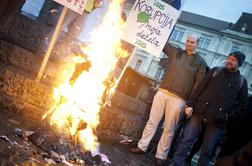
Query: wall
{"x": 18, "y": 68}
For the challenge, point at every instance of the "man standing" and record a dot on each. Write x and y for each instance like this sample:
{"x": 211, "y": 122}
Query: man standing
{"x": 184, "y": 72}
{"x": 221, "y": 96}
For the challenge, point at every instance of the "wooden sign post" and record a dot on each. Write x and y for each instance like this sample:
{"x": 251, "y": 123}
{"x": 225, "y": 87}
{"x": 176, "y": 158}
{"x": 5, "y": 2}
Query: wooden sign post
{"x": 51, "y": 45}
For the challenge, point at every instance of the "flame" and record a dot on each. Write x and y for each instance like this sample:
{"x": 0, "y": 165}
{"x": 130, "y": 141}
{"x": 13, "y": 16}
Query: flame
{"x": 81, "y": 102}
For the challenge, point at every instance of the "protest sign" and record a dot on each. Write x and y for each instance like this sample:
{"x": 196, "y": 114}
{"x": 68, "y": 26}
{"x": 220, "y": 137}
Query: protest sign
{"x": 149, "y": 25}
{"x": 75, "y": 5}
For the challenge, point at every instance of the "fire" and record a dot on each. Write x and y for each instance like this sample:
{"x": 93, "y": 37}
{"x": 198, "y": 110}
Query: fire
{"x": 77, "y": 105}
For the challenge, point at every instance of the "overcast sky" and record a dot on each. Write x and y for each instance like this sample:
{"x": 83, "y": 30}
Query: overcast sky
{"x": 226, "y": 10}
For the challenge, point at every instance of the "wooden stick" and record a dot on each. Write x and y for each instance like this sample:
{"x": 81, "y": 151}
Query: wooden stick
{"x": 127, "y": 64}
{"x": 51, "y": 45}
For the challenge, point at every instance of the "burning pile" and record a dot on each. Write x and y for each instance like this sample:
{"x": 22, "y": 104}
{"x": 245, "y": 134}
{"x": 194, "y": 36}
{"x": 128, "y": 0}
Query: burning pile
{"x": 78, "y": 99}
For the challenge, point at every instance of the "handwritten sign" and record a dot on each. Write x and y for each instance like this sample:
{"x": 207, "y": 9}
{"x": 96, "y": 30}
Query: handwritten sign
{"x": 75, "y": 5}
{"x": 149, "y": 25}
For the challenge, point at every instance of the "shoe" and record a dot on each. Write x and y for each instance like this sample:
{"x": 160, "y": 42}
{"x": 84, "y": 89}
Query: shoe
{"x": 136, "y": 150}
{"x": 159, "y": 162}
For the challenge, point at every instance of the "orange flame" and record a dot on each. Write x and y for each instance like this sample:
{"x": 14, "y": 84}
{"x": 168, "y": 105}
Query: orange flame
{"x": 81, "y": 102}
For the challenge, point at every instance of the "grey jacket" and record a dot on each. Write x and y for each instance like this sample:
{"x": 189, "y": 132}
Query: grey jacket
{"x": 183, "y": 73}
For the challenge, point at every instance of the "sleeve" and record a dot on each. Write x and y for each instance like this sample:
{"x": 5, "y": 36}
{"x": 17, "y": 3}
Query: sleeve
{"x": 199, "y": 76}
{"x": 199, "y": 89}
{"x": 170, "y": 50}
{"x": 241, "y": 104}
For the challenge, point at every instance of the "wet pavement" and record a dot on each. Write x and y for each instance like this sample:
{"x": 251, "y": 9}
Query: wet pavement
{"x": 15, "y": 150}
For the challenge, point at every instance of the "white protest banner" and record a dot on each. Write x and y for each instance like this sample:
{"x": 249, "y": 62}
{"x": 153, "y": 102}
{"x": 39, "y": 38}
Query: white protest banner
{"x": 149, "y": 25}
{"x": 75, "y": 5}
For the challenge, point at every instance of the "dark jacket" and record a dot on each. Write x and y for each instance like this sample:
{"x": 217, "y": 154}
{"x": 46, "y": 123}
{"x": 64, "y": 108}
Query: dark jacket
{"x": 237, "y": 132}
{"x": 183, "y": 73}
{"x": 220, "y": 97}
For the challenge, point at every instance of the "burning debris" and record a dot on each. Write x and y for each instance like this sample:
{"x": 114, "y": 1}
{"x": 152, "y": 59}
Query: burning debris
{"x": 79, "y": 98}
{"x": 80, "y": 67}
{"x": 125, "y": 140}
{"x": 32, "y": 142}
{"x": 13, "y": 143}
{"x": 55, "y": 151}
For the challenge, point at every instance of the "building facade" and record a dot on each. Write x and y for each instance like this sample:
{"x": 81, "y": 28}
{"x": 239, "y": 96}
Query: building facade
{"x": 217, "y": 39}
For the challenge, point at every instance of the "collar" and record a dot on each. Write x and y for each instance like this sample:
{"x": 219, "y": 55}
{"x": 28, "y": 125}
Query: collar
{"x": 230, "y": 72}
{"x": 195, "y": 55}
{"x": 190, "y": 54}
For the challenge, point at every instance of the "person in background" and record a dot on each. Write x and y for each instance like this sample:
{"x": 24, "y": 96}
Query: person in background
{"x": 75, "y": 23}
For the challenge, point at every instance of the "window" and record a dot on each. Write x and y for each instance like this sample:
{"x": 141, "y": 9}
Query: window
{"x": 177, "y": 34}
{"x": 158, "y": 73}
{"x": 243, "y": 68}
{"x": 138, "y": 64}
{"x": 204, "y": 42}
{"x": 174, "y": 34}
{"x": 244, "y": 27}
{"x": 202, "y": 54}
{"x": 218, "y": 61}
{"x": 235, "y": 48}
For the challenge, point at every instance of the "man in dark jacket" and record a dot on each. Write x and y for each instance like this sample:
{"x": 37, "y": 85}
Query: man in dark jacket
{"x": 184, "y": 71}
{"x": 221, "y": 96}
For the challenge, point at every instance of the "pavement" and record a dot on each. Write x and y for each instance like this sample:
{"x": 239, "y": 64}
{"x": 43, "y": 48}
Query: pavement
{"x": 14, "y": 150}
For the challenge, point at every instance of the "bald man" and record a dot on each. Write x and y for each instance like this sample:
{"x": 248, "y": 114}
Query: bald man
{"x": 184, "y": 71}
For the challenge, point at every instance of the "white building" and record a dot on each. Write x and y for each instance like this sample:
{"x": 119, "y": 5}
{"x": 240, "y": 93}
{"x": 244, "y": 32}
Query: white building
{"x": 217, "y": 39}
